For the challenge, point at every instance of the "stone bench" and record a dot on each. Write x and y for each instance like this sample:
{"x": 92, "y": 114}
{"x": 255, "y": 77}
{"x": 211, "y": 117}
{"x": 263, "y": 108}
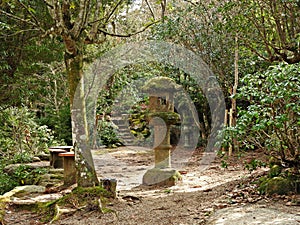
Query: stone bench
{"x": 69, "y": 167}
{"x": 55, "y": 160}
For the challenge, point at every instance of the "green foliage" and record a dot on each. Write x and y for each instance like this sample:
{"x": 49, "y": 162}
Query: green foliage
{"x": 122, "y": 95}
{"x": 107, "y": 132}
{"x": 123, "y": 88}
{"x": 59, "y": 121}
{"x": 21, "y": 137}
{"x": 23, "y": 175}
{"x": 275, "y": 171}
{"x": 254, "y": 164}
{"x": 7, "y": 183}
{"x": 224, "y": 164}
{"x": 198, "y": 28}
{"x": 138, "y": 123}
{"x": 272, "y": 119}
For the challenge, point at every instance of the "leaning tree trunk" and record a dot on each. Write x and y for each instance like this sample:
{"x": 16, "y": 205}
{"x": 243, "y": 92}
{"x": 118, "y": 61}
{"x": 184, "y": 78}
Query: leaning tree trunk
{"x": 233, "y": 110}
{"x": 86, "y": 174}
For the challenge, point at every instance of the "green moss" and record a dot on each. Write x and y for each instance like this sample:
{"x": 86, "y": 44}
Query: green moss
{"x": 83, "y": 195}
{"x": 263, "y": 182}
{"x": 160, "y": 84}
{"x": 176, "y": 177}
{"x": 2, "y": 211}
{"x": 80, "y": 197}
{"x": 276, "y": 185}
{"x": 275, "y": 171}
{"x": 168, "y": 117}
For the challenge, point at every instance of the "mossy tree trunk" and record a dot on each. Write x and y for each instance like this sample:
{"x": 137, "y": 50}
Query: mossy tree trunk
{"x": 86, "y": 174}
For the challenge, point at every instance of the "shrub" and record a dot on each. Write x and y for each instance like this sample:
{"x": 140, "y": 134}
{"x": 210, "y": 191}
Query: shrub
{"x": 107, "y": 132}
{"x": 7, "y": 183}
{"x": 22, "y": 175}
{"x": 272, "y": 120}
{"x": 20, "y": 136}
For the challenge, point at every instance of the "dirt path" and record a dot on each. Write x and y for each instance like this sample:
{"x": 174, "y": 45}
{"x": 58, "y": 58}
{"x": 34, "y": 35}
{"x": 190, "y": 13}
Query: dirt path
{"x": 198, "y": 199}
{"x": 129, "y": 164}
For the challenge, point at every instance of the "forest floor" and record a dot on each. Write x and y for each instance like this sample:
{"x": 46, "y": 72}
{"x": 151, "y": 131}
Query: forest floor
{"x": 212, "y": 196}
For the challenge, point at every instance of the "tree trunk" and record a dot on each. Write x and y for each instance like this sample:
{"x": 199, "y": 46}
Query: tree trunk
{"x": 233, "y": 110}
{"x": 86, "y": 174}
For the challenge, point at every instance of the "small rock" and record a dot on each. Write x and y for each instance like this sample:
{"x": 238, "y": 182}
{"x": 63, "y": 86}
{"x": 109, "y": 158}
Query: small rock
{"x": 36, "y": 159}
{"x": 250, "y": 200}
{"x": 288, "y": 204}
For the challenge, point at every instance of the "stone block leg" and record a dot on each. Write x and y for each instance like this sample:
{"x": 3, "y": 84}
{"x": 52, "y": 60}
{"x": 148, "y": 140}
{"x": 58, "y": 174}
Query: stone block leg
{"x": 69, "y": 168}
{"x": 56, "y": 161}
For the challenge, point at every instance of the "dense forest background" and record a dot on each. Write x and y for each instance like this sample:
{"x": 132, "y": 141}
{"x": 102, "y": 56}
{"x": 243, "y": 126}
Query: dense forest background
{"x": 252, "y": 47}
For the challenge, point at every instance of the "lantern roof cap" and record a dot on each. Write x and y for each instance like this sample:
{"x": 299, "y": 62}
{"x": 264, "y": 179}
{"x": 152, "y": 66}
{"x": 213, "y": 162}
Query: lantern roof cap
{"x": 161, "y": 85}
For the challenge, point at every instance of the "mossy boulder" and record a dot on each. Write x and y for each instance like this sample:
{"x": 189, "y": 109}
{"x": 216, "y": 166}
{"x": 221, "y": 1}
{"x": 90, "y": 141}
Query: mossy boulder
{"x": 277, "y": 185}
{"x": 84, "y": 198}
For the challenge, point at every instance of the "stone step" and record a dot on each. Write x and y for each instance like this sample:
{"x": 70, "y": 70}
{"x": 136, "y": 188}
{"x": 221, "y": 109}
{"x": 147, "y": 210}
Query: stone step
{"x": 123, "y": 130}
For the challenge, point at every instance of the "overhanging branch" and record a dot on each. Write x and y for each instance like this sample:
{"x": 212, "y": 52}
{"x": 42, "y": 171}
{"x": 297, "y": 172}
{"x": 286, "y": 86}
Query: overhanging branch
{"x": 31, "y": 14}
{"x": 113, "y": 11}
{"x": 127, "y": 35}
{"x": 20, "y": 19}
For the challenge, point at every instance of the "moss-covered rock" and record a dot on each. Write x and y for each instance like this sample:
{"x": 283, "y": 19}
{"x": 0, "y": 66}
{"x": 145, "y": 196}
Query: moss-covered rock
{"x": 279, "y": 185}
{"x": 84, "y": 198}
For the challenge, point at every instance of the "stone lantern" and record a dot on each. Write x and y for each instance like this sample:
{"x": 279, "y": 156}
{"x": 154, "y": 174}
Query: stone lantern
{"x": 161, "y": 115}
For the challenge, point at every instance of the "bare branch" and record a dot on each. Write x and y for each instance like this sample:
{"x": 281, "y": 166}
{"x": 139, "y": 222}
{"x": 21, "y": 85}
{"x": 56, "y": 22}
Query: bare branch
{"x": 80, "y": 19}
{"x": 150, "y": 8}
{"x": 19, "y": 32}
{"x": 20, "y": 19}
{"x": 31, "y": 14}
{"x": 48, "y": 4}
{"x": 127, "y": 35}
{"x": 58, "y": 17}
{"x": 113, "y": 11}
{"x": 189, "y": 1}
{"x": 95, "y": 24}
{"x": 163, "y": 9}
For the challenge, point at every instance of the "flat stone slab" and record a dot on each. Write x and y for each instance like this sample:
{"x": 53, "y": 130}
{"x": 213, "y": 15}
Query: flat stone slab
{"x": 251, "y": 215}
{"x": 21, "y": 190}
{"x": 35, "y": 165}
{"x": 35, "y": 198}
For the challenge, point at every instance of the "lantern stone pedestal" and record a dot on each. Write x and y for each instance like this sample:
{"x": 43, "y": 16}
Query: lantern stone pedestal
{"x": 161, "y": 117}
{"x": 162, "y": 174}
{"x": 161, "y": 177}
